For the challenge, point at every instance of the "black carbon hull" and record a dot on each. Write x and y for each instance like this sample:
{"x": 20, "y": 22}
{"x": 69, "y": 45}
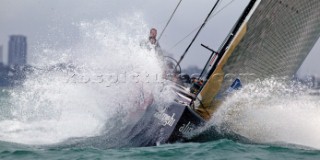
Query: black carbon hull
{"x": 168, "y": 125}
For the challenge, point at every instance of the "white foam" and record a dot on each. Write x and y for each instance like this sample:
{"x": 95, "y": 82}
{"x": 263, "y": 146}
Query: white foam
{"x": 53, "y": 105}
{"x": 272, "y": 112}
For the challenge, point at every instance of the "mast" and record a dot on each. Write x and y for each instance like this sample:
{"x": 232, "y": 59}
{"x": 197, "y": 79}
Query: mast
{"x": 223, "y": 48}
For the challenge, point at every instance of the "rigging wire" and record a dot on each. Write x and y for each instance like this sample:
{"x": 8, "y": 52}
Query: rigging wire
{"x": 169, "y": 20}
{"x": 184, "y": 38}
{"x": 194, "y": 38}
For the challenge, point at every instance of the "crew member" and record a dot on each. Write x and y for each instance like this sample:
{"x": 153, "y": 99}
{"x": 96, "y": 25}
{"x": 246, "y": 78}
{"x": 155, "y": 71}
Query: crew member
{"x": 152, "y": 42}
{"x": 153, "y": 37}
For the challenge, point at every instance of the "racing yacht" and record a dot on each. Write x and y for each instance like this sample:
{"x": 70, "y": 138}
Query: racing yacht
{"x": 271, "y": 38}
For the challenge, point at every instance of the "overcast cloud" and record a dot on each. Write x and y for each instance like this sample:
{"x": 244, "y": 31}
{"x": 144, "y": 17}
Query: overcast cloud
{"x": 53, "y": 22}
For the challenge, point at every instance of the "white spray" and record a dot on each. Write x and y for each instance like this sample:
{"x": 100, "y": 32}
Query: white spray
{"x": 106, "y": 74}
{"x": 272, "y": 112}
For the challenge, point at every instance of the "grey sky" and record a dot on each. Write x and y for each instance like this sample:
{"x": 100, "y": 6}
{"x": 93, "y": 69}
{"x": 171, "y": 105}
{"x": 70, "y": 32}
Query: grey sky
{"x": 52, "y": 22}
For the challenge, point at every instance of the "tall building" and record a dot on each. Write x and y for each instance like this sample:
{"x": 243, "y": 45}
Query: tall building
{"x": 1, "y": 55}
{"x": 17, "y": 50}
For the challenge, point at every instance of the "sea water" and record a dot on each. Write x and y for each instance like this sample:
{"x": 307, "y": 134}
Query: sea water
{"x": 93, "y": 87}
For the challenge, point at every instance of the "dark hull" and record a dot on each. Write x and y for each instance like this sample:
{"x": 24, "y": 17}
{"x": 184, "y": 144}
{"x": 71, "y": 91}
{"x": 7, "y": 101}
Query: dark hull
{"x": 169, "y": 125}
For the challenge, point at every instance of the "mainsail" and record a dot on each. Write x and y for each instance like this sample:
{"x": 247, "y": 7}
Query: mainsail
{"x": 272, "y": 38}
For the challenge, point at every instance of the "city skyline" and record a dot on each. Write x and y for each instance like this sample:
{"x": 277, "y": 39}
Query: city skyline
{"x": 17, "y": 52}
